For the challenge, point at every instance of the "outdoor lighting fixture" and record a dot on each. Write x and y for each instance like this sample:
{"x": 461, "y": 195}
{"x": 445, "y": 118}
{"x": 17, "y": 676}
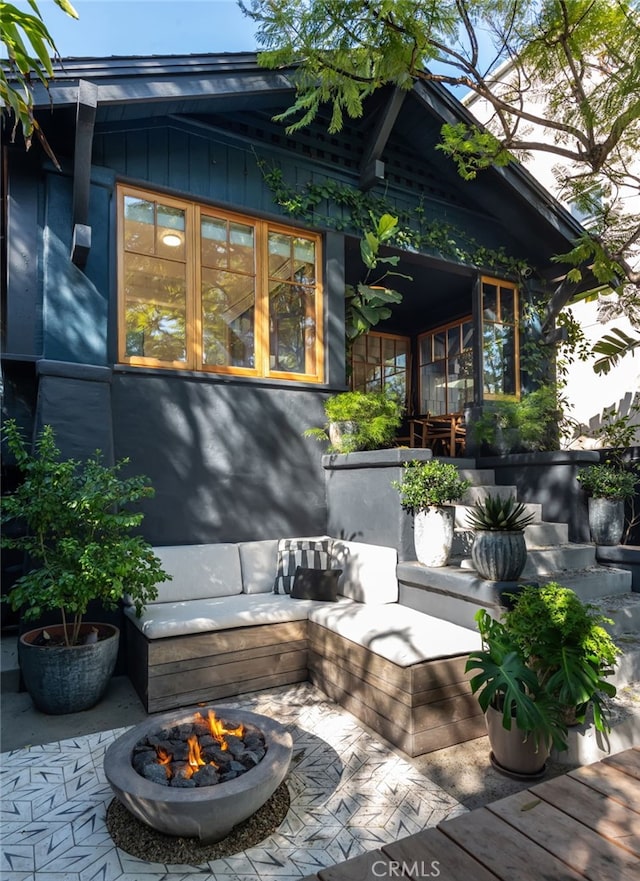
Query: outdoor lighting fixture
{"x": 171, "y": 240}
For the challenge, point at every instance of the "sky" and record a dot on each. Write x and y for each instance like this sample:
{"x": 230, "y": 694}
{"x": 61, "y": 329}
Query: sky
{"x": 147, "y": 27}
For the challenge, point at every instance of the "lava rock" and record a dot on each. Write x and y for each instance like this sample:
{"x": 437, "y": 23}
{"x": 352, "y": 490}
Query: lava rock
{"x": 155, "y": 773}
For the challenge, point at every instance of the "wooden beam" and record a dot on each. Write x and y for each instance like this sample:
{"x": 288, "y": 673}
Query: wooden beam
{"x": 372, "y": 168}
{"x": 85, "y": 121}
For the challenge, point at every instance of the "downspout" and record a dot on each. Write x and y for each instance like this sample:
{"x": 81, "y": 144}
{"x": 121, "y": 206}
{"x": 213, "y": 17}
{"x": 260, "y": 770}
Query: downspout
{"x": 85, "y": 122}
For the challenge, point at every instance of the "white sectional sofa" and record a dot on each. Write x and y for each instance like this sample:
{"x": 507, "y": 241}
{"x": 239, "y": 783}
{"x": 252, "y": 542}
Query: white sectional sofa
{"x": 218, "y": 629}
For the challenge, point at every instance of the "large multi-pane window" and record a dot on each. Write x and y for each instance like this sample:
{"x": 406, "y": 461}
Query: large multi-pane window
{"x": 380, "y": 362}
{"x": 500, "y": 359}
{"x": 204, "y": 289}
{"x": 445, "y": 368}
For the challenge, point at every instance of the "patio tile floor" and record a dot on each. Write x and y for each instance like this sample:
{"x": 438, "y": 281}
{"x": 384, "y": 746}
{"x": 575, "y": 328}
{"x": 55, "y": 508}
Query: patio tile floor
{"x": 350, "y": 793}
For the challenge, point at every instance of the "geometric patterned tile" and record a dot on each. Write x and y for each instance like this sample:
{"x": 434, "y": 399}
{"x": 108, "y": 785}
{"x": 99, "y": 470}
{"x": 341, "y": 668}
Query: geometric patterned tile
{"x": 349, "y": 792}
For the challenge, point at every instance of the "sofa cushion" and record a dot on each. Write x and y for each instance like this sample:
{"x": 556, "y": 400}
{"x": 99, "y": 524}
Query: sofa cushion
{"x": 199, "y": 571}
{"x": 259, "y": 560}
{"x": 220, "y": 613}
{"x": 397, "y": 633}
{"x": 369, "y": 571}
{"x": 316, "y": 584}
{"x": 293, "y": 552}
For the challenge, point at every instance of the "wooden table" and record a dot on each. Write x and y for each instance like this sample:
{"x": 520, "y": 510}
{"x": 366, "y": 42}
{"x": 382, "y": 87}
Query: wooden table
{"x": 584, "y": 824}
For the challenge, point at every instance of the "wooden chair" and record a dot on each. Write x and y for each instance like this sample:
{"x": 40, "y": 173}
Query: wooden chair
{"x": 445, "y": 435}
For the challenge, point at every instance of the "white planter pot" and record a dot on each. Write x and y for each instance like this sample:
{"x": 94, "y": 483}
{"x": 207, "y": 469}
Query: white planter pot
{"x": 433, "y": 535}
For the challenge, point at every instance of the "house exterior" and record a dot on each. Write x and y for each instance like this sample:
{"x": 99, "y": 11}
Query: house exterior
{"x": 166, "y": 299}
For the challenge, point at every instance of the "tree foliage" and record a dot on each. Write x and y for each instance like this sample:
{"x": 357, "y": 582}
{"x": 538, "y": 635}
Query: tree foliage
{"x": 560, "y": 77}
{"x": 29, "y": 47}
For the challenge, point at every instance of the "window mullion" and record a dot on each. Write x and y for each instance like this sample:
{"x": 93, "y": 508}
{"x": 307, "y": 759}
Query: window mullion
{"x": 194, "y": 289}
{"x": 262, "y": 354}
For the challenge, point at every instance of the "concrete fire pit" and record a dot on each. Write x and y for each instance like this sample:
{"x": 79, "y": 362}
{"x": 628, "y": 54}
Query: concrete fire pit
{"x": 208, "y": 812}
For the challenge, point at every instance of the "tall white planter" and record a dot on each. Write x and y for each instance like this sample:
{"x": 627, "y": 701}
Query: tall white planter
{"x": 433, "y": 535}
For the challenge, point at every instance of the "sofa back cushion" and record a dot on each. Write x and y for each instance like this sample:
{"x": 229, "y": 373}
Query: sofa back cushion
{"x": 259, "y": 560}
{"x": 368, "y": 571}
{"x": 199, "y": 572}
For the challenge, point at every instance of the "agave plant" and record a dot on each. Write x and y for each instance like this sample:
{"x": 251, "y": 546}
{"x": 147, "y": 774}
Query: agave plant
{"x": 496, "y": 514}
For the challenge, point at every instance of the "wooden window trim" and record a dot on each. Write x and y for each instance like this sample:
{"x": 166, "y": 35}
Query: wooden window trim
{"x": 193, "y": 332}
{"x": 379, "y": 334}
{"x": 503, "y": 283}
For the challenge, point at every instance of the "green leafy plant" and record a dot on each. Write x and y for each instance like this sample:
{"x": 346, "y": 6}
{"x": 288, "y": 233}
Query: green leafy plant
{"x": 497, "y": 514}
{"x": 508, "y": 684}
{"x": 368, "y": 302}
{"x": 565, "y": 642}
{"x": 527, "y": 424}
{"x": 430, "y": 484}
{"x": 608, "y": 481}
{"x": 373, "y": 419}
{"x": 76, "y": 533}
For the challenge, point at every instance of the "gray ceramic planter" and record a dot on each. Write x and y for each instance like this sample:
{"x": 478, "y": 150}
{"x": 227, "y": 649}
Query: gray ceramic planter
{"x": 606, "y": 521}
{"x": 517, "y": 752}
{"x": 68, "y": 679}
{"x": 499, "y": 555}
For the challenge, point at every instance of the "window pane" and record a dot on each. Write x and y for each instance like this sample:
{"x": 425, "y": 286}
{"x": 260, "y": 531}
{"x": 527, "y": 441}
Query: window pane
{"x": 453, "y": 341}
{"x": 439, "y": 343}
{"x": 433, "y": 397}
{"x": 507, "y": 311}
{"x": 359, "y": 349}
{"x": 489, "y": 302}
{"x": 228, "y": 317}
{"x": 155, "y": 308}
{"x": 139, "y": 225}
{"x": 467, "y": 335}
{"x": 279, "y": 256}
{"x": 241, "y": 241}
{"x": 292, "y": 329}
{"x": 499, "y": 360}
{"x": 213, "y": 237}
{"x": 425, "y": 350}
{"x": 374, "y": 354}
{"x": 170, "y": 236}
{"x": 304, "y": 261}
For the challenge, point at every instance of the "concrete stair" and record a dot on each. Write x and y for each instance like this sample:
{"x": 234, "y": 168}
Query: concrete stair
{"x": 456, "y": 592}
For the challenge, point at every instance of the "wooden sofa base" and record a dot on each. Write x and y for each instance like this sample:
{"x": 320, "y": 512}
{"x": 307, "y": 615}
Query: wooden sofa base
{"x": 178, "y": 671}
{"x": 420, "y": 708}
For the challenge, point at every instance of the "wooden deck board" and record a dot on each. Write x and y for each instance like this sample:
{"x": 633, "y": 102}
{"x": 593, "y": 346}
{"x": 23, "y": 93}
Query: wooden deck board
{"x": 607, "y": 817}
{"x": 566, "y": 838}
{"x": 432, "y": 851}
{"x": 611, "y": 782}
{"x": 627, "y": 761}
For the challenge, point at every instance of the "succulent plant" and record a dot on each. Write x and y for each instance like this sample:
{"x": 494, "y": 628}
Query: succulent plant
{"x": 498, "y": 514}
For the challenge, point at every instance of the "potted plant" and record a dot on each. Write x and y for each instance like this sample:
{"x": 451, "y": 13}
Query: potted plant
{"x": 550, "y": 652}
{"x": 523, "y": 722}
{"x": 75, "y": 532}
{"x": 565, "y": 641}
{"x": 359, "y": 421}
{"x": 608, "y": 486}
{"x": 426, "y": 491}
{"x": 499, "y": 552}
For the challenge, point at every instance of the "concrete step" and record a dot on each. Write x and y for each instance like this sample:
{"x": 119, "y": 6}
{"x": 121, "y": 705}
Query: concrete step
{"x": 597, "y": 582}
{"x": 624, "y": 612}
{"x": 478, "y": 476}
{"x": 536, "y": 536}
{"x": 479, "y": 493}
{"x": 455, "y": 594}
{"x": 463, "y": 511}
{"x": 546, "y": 535}
{"x": 548, "y": 562}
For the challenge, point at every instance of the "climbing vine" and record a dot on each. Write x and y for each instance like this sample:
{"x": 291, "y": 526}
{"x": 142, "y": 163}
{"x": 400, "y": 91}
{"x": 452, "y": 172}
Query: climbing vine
{"x": 311, "y": 202}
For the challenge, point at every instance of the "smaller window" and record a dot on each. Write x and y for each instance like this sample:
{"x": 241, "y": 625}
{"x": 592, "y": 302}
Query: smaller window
{"x": 445, "y": 369}
{"x": 380, "y": 362}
